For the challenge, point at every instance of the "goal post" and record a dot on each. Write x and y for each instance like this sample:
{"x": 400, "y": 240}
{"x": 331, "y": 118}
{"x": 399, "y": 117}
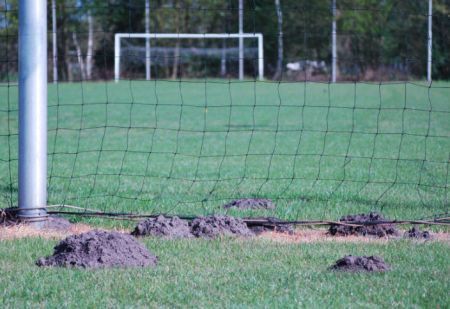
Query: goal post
{"x": 32, "y": 109}
{"x": 119, "y": 36}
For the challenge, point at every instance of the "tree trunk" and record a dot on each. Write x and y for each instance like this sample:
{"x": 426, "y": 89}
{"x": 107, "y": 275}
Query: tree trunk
{"x": 79, "y": 56}
{"x": 279, "y": 68}
{"x": 90, "y": 47}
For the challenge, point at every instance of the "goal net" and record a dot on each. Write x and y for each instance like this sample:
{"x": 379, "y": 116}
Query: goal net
{"x": 192, "y": 136}
{"x": 190, "y": 59}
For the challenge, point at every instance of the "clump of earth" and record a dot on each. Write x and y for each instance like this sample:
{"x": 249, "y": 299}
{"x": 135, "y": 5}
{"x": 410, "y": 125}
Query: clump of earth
{"x": 8, "y": 217}
{"x": 56, "y": 223}
{"x": 268, "y": 224}
{"x": 219, "y": 225}
{"x": 99, "y": 249}
{"x": 352, "y": 263}
{"x": 250, "y": 203}
{"x": 379, "y": 230}
{"x": 415, "y": 232}
{"x": 161, "y": 226}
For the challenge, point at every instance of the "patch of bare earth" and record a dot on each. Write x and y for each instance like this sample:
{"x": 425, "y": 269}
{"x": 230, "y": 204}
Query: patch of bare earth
{"x": 304, "y": 235}
{"x": 23, "y": 230}
{"x": 322, "y": 235}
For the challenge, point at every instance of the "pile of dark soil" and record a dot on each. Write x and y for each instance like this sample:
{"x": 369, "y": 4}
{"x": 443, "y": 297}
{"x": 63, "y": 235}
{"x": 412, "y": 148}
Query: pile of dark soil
{"x": 98, "y": 249}
{"x": 269, "y": 224}
{"x": 217, "y": 225}
{"x": 8, "y": 217}
{"x": 162, "y": 226}
{"x": 360, "y": 263}
{"x": 416, "y": 233}
{"x": 379, "y": 230}
{"x": 57, "y": 223}
{"x": 250, "y": 203}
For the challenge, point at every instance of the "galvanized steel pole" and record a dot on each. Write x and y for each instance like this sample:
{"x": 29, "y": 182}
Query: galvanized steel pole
{"x": 241, "y": 40}
{"x": 430, "y": 39}
{"x": 54, "y": 42}
{"x": 148, "y": 74}
{"x": 333, "y": 43}
{"x": 32, "y": 109}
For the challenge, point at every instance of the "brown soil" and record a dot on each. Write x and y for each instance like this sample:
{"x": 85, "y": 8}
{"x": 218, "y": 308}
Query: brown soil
{"x": 250, "y": 203}
{"x": 215, "y": 226}
{"x": 99, "y": 249}
{"x": 308, "y": 235}
{"x": 415, "y": 232}
{"x": 161, "y": 226}
{"x": 352, "y": 263}
{"x": 380, "y": 230}
{"x": 271, "y": 224}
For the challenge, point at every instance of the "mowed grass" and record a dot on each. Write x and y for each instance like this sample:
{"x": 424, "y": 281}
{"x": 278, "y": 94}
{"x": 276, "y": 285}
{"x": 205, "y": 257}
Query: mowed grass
{"x": 232, "y": 273}
{"x": 318, "y": 150}
{"x": 187, "y": 147}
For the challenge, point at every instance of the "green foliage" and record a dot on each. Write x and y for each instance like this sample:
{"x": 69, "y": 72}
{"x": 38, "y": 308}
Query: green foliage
{"x": 384, "y": 37}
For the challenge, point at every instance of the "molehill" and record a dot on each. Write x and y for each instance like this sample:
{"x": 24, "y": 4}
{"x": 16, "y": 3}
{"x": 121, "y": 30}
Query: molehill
{"x": 218, "y": 225}
{"x": 161, "y": 226}
{"x": 250, "y": 203}
{"x": 352, "y": 263}
{"x": 99, "y": 249}
{"x": 379, "y": 230}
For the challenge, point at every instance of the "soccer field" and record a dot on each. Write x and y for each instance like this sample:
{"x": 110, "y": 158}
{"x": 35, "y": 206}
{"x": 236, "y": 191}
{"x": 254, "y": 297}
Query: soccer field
{"x": 232, "y": 273}
{"x": 186, "y": 147}
{"x": 318, "y": 150}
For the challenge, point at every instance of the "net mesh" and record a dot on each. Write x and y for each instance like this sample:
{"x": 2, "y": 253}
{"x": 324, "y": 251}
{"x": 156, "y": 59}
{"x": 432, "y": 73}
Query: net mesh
{"x": 195, "y": 137}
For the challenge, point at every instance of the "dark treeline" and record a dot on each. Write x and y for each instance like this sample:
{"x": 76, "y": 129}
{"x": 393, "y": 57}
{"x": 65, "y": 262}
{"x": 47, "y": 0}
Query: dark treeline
{"x": 377, "y": 39}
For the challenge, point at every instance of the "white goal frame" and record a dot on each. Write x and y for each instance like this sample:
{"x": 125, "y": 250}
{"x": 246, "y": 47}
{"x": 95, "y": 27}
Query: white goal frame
{"x": 119, "y": 36}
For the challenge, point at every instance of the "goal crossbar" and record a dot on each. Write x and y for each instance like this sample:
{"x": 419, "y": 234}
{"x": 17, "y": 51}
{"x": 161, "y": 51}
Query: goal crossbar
{"x": 119, "y": 36}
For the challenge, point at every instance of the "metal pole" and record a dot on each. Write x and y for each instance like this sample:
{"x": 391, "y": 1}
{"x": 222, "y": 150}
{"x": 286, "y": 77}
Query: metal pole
{"x": 32, "y": 108}
{"x": 148, "y": 73}
{"x": 241, "y": 40}
{"x": 430, "y": 39}
{"x": 333, "y": 43}
{"x": 54, "y": 42}
{"x": 261, "y": 56}
{"x": 117, "y": 57}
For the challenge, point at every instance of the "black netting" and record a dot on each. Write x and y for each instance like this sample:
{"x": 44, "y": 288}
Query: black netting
{"x": 194, "y": 136}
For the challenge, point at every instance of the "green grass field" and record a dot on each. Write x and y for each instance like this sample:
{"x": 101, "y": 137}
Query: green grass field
{"x": 321, "y": 150}
{"x": 232, "y": 273}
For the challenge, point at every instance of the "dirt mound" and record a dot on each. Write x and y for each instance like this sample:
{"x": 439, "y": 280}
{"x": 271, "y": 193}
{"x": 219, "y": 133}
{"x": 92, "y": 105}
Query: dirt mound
{"x": 161, "y": 226}
{"x": 97, "y": 249}
{"x": 215, "y": 226}
{"x": 360, "y": 263}
{"x": 8, "y": 217}
{"x": 250, "y": 203}
{"x": 57, "y": 223}
{"x": 379, "y": 230}
{"x": 415, "y": 232}
{"x": 271, "y": 224}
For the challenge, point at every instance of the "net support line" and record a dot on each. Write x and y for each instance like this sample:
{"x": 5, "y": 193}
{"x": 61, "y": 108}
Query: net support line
{"x": 119, "y": 36}
{"x": 32, "y": 108}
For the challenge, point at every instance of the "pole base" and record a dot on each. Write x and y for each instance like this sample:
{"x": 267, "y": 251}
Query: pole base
{"x": 32, "y": 215}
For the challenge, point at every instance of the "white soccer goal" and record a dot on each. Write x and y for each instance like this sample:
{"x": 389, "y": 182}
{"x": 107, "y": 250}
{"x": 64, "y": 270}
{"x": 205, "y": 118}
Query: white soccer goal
{"x": 119, "y": 36}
